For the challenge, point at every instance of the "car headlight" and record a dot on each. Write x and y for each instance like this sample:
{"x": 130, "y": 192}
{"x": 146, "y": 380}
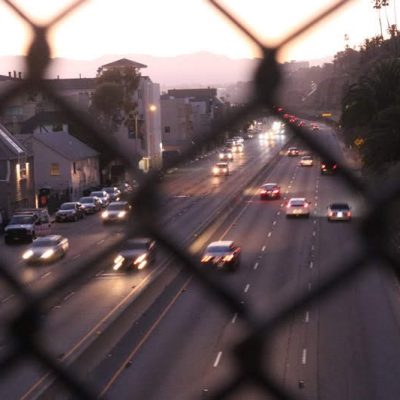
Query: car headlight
{"x": 104, "y": 214}
{"x": 140, "y": 259}
{"x": 221, "y": 156}
{"x": 121, "y": 214}
{"x": 118, "y": 262}
{"x": 47, "y": 254}
{"x": 215, "y": 170}
{"x": 28, "y": 254}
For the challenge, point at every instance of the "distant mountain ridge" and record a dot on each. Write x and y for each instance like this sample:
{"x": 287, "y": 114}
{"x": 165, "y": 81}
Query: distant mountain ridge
{"x": 189, "y": 70}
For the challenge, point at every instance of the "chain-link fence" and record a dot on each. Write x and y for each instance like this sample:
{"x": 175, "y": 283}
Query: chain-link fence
{"x": 25, "y": 327}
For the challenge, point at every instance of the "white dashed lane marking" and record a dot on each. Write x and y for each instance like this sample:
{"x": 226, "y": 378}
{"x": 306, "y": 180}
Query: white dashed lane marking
{"x": 304, "y": 357}
{"x": 246, "y": 289}
{"x": 255, "y": 265}
{"x": 217, "y": 360}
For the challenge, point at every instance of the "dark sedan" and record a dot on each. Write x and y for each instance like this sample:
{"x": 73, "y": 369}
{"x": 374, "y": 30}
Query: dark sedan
{"x": 224, "y": 254}
{"x": 70, "y": 212}
{"x": 135, "y": 254}
{"x": 270, "y": 191}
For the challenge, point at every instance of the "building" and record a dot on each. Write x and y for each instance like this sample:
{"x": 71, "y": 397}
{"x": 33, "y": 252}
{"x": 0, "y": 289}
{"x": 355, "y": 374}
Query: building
{"x": 16, "y": 174}
{"x": 187, "y": 114}
{"x": 144, "y": 139}
{"x": 62, "y": 163}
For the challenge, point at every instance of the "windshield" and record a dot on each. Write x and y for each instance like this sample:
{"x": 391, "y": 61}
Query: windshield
{"x": 67, "y": 206}
{"x": 218, "y": 249}
{"x": 116, "y": 207}
{"x": 98, "y": 194}
{"x": 86, "y": 200}
{"x": 297, "y": 204}
{"x": 43, "y": 243}
{"x": 269, "y": 187}
{"x": 109, "y": 190}
{"x": 22, "y": 219}
{"x": 136, "y": 246}
{"x": 339, "y": 206}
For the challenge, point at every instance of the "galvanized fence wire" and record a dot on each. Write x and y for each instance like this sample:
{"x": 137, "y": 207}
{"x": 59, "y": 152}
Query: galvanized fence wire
{"x": 25, "y": 328}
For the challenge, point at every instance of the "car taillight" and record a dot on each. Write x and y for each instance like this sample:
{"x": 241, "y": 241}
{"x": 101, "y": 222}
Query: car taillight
{"x": 305, "y": 204}
{"x": 349, "y": 213}
{"x": 330, "y": 213}
{"x": 228, "y": 258}
{"x": 276, "y": 191}
{"x": 334, "y": 167}
{"x": 263, "y": 191}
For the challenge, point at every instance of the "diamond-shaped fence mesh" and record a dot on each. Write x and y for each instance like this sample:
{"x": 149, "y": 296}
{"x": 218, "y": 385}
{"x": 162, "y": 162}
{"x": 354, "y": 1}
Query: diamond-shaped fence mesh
{"x": 26, "y": 326}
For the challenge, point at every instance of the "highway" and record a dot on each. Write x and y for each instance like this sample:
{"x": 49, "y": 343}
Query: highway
{"x": 345, "y": 347}
{"x": 78, "y": 317}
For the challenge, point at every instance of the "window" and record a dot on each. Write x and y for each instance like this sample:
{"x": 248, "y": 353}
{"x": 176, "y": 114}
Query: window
{"x": 74, "y": 167}
{"x": 55, "y": 169}
{"x": 167, "y": 129}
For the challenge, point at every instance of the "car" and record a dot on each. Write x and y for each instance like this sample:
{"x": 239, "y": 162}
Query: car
{"x": 71, "y": 211}
{"x": 328, "y": 167}
{"x": 221, "y": 168}
{"x": 113, "y": 192}
{"x": 223, "y": 254}
{"x": 314, "y": 127}
{"x": 339, "y": 212}
{"x": 293, "y": 152}
{"x": 298, "y": 207}
{"x": 117, "y": 211}
{"x": 90, "y": 204}
{"x": 22, "y": 227}
{"x": 135, "y": 254}
{"x": 103, "y": 196}
{"x": 238, "y": 139}
{"x": 306, "y": 161}
{"x": 46, "y": 249}
{"x": 225, "y": 155}
{"x": 270, "y": 191}
{"x": 237, "y": 147}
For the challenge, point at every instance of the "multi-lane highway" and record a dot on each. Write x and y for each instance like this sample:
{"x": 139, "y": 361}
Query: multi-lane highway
{"x": 345, "y": 347}
{"x": 78, "y": 317}
{"x": 177, "y": 340}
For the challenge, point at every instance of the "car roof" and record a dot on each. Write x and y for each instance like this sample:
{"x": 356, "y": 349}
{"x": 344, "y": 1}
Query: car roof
{"x": 122, "y": 203}
{"x": 269, "y": 183}
{"x": 299, "y": 199}
{"x": 221, "y": 243}
{"x": 138, "y": 240}
{"x": 338, "y": 205}
{"x": 222, "y": 163}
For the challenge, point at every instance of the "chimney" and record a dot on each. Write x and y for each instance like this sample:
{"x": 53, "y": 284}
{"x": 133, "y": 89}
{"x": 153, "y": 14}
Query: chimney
{"x": 80, "y": 76}
{"x": 19, "y": 75}
{"x": 9, "y": 74}
{"x": 15, "y": 73}
{"x": 58, "y": 76}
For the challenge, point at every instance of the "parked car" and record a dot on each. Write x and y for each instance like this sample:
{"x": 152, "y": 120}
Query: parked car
{"x": 71, "y": 211}
{"x": 117, "y": 211}
{"x": 298, "y": 207}
{"x": 46, "y": 249}
{"x": 224, "y": 254}
{"x": 339, "y": 212}
{"x": 27, "y": 224}
{"x": 270, "y": 191}
{"x": 135, "y": 254}
{"x": 90, "y": 204}
{"x": 103, "y": 196}
{"x": 113, "y": 192}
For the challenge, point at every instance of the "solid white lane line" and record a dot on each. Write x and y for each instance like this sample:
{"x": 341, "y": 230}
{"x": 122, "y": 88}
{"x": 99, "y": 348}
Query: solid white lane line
{"x": 68, "y": 296}
{"x": 311, "y": 265}
{"x": 7, "y": 298}
{"x": 255, "y": 265}
{"x": 274, "y": 223}
{"x": 307, "y": 319}
{"x": 246, "y": 289}
{"x": 234, "y": 318}
{"x": 217, "y": 360}
{"x": 269, "y": 234}
{"x": 263, "y": 248}
{"x": 46, "y": 275}
{"x": 304, "y": 357}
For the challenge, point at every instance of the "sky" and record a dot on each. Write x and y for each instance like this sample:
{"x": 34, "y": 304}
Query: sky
{"x": 175, "y": 27}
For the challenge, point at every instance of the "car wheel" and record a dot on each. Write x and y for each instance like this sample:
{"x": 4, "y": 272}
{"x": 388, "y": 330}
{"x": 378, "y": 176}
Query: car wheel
{"x": 76, "y": 218}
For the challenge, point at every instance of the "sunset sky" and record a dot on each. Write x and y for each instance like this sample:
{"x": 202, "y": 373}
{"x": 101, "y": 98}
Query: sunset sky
{"x": 174, "y": 27}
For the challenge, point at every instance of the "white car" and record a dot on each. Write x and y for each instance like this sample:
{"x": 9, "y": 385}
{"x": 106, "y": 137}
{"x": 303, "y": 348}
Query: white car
{"x": 298, "y": 207}
{"x": 306, "y": 161}
{"x": 46, "y": 249}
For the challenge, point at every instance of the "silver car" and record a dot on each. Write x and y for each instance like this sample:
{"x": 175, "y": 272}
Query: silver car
{"x": 103, "y": 196}
{"x": 46, "y": 249}
{"x": 298, "y": 207}
{"x": 117, "y": 211}
{"x": 339, "y": 212}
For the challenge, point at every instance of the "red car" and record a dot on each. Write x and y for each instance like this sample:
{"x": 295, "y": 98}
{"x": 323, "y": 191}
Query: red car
{"x": 270, "y": 191}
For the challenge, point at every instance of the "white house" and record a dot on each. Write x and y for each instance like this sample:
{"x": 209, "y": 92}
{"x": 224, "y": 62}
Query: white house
{"x": 62, "y": 162}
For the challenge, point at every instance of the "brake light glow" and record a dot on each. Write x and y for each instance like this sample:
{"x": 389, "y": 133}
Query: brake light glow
{"x": 276, "y": 191}
{"x": 206, "y": 259}
{"x": 228, "y": 257}
{"x": 263, "y": 191}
